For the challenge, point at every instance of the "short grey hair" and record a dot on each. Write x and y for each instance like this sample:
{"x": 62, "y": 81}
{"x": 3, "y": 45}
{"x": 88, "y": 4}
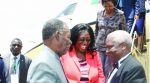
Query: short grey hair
{"x": 51, "y": 27}
{"x": 121, "y": 36}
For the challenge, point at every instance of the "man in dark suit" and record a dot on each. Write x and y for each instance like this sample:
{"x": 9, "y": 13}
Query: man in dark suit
{"x": 126, "y": 68}
{"x": 2, "y": 76}
{"x": 16, "y": 64}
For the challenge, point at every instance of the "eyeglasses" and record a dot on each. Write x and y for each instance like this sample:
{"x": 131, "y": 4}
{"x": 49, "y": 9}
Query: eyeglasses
{"x": 84, "y": 39}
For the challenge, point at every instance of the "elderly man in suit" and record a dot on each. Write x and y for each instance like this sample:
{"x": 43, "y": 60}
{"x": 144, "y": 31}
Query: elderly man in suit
{"x": 126, "y": 68}
{"x": 46, "y": 67}
{"x": 16, "y": 64}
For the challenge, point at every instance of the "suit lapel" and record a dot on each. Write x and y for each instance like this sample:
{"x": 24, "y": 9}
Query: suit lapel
{"x": 116, "y": 77}
{"x": 123, "y": 65}
{"x": 89, "y": 61}
{"x": 55, "y": 58}
{"x": 75, "y": 59}
{"x": 21, "y": 63}
{"x": 7, "y": 63}
{"x": 22, "y": 68}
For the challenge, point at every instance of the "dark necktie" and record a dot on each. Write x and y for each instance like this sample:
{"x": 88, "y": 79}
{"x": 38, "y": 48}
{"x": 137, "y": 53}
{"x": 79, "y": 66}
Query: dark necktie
{"x": 115, "y": 65}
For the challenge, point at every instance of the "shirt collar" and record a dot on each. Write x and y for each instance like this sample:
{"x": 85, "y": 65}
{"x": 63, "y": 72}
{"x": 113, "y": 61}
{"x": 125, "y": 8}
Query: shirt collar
{"x": 12, "y": 56}
{"x": 122, "y": 59}
{"x": 52, "y": 52}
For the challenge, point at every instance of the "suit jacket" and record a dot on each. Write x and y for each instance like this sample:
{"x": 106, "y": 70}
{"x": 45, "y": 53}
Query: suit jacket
{"x": 71, "y": 67}
{"x": 2, "y": 76}
{"x": 46, "y": 68}
{"x": 23, "y": 68}
{"x": 131, "y": 71}
{"x": 128, "y": 6}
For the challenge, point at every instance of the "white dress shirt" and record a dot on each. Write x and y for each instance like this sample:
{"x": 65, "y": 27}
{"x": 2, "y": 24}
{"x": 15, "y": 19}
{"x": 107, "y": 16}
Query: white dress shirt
{"x": 15, "y": 76}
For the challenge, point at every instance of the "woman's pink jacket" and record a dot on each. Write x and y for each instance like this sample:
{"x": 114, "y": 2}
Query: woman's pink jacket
{"x": 72, "y": 67}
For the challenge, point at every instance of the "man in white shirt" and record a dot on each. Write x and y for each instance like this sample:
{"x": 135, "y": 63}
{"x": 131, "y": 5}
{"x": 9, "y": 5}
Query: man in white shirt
{"x": 128, "y": 69}
{"x": 16, "y": 64}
